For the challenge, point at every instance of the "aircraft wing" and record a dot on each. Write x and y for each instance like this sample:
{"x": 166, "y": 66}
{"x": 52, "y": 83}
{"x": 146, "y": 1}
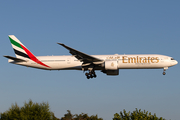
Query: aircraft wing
{"x": 85, "y": 58}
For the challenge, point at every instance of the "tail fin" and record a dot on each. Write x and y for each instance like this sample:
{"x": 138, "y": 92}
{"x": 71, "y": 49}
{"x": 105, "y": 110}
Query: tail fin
{"x": 20, "y": 50}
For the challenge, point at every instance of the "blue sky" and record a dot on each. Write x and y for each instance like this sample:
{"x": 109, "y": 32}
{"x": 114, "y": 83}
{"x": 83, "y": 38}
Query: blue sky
{"x": 93, "y": 27}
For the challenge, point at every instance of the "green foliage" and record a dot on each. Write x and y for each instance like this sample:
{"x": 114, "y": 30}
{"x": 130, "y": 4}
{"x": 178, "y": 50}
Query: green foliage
{"x": 35, "y": 111}
{"x": 136, "y": 115}
{"x": 30, "y": 111}
{"x": 82, "y": 116}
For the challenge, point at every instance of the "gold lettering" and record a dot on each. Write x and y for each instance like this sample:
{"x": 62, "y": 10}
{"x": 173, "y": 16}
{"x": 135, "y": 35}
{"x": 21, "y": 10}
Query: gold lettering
{"x": 118, "y": 57}
{"x": 131, "y": 60}
{"x": 157, "y": 59}
{"x": 137, "y": 59}
{"x": 144, "y": 60}
{"x": 152, "y": 59}
{"x": 140, "y": 59}
{"x": 124, "y": 58}
{"x": 149, "y": 59}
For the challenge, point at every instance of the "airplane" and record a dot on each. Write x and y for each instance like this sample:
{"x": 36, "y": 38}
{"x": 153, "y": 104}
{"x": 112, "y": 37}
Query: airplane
{"x": 108, "y": 64}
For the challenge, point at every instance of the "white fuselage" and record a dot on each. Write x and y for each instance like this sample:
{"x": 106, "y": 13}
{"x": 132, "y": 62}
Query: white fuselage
{"x": 139, "y": 61}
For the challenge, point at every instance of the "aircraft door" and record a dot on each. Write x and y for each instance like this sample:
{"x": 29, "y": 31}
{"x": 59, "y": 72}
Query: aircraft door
{"x": 68, "y": 60}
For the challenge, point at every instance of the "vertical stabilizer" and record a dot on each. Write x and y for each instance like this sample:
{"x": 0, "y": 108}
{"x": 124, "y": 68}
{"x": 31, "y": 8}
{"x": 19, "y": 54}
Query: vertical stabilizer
{"x": 20, "y": 50}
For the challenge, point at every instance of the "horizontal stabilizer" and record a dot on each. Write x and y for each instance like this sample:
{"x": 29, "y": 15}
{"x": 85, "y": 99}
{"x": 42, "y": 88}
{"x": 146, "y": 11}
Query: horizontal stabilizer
{"x": 15, "y": 59}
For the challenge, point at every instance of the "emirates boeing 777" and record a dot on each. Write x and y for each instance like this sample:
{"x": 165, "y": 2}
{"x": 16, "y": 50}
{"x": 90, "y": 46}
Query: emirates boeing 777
{"x": 108, "y": 64}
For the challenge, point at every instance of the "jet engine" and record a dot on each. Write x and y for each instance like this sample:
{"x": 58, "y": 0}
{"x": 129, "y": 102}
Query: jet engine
{"x": 111, "y": 67}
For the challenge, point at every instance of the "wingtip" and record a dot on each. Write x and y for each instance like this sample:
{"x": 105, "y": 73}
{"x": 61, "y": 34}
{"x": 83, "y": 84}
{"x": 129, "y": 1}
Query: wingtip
{"x": 60, "y": 43}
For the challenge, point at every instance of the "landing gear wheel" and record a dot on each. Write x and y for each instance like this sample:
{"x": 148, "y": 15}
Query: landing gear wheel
{"x": 86, "y": 74}
{"x": 91, "y": 74}
{"x": 88, "y": 77}
{"x": 164, "y": 73}
{"x": 95, "y": 75}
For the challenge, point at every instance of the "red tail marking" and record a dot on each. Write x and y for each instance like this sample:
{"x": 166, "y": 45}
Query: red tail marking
{"x": 32, "y": 57}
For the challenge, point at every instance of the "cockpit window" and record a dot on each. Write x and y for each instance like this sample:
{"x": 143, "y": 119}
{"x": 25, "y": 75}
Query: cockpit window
{"x": 172, "y": 58}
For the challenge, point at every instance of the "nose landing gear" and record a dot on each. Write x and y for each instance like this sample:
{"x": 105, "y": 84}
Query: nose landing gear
{"x": 164, "y": 73}
{"x": 91, "y": 74}
{"x": 165, "y": 68}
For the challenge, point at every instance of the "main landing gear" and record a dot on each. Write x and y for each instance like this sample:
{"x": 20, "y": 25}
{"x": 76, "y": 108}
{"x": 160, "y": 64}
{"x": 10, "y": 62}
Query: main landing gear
{"x": 91, "y": 74}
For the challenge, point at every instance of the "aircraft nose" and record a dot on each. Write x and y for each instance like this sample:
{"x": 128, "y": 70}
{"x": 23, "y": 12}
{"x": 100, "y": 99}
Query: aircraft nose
{"x": 175, "y": 62}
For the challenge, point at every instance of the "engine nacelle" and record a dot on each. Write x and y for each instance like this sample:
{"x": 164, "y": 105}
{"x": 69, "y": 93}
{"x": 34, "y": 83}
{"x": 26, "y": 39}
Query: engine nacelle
{"x": 111, "y": 65}
{"x": 111, "y": 72}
